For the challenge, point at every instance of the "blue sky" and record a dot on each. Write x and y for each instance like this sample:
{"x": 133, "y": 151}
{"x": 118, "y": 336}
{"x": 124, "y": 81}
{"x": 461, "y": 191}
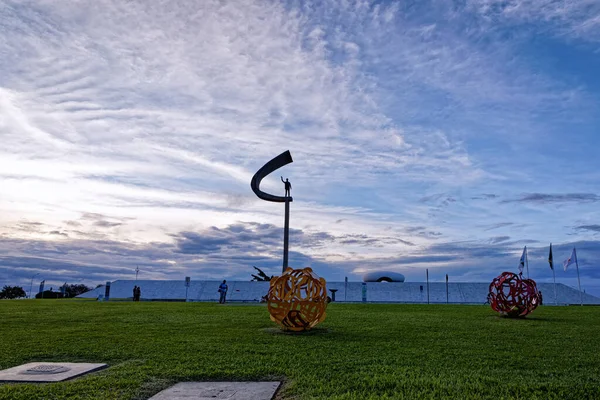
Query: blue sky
{"x": 435, "y": 134}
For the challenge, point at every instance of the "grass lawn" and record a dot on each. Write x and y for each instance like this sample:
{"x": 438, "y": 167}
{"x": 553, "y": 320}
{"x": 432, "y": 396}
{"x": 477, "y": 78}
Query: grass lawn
{"x": 360, "y": 352}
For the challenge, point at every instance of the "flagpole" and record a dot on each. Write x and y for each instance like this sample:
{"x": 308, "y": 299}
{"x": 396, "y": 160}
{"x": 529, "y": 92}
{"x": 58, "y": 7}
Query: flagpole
{"x": 527, "y": 262}
{"x": 446, "y": 288}
{"x": 578, "y": 280}
{"x": 551, "y": 261}
{"x": 555, "y": 297}
{"x": 427, "y": 272}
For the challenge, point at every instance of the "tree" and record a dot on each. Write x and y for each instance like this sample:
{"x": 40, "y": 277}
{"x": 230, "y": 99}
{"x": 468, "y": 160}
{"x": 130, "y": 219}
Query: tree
{"x": 76, "y": 290}
{"x": 262, "y": 277}
{"x": 12, "y": 292}
{"x": 49, "y": 294}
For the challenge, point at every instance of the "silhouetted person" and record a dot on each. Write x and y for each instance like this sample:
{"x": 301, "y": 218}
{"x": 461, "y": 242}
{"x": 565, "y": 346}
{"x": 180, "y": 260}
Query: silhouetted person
{"x": 134, "y": 293}
{"x": 288, "y": 186}
{"x": 541, "y": 298}
{"x": 138, "y": 294}
{"x": 223, "y": 291}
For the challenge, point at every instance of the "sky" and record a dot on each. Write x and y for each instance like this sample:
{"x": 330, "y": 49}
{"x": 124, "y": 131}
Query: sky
{"x": 431, "y": 135}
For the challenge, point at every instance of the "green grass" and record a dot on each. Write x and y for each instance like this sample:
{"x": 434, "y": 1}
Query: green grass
{"x": 359, "y": 352}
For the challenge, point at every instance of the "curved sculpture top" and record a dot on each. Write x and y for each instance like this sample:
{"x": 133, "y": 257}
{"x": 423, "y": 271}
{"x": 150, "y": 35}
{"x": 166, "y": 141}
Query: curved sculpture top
{"x": 383, "y": 276}
{"x": 276, "y": 163}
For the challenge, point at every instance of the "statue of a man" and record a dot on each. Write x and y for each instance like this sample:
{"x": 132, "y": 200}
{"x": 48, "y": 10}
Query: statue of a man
{"x": 288, "y": 186}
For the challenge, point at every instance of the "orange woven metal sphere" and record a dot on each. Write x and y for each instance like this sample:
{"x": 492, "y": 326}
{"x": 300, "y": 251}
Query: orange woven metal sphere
{"x": 297, "y": 299}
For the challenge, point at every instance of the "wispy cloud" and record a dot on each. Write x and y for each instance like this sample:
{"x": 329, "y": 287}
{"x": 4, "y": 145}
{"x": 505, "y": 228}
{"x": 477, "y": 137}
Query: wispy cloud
{"x": 557, "y": 198}
{"x": 593, "y": 228}
{"x": 578, "y": 19}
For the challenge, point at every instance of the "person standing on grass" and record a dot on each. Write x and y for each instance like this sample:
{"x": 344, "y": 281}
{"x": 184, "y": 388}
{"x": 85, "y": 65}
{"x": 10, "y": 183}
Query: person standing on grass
{"x": 223, "y": 291}
{"x": 139, "y": 293}
{"x": 134, "y": 292}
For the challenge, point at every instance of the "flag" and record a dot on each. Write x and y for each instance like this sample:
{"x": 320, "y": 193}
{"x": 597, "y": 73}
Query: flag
{"x": 570, "y": 260}
{"x": 522, "y": 262}
{"x": 550, "y": 260}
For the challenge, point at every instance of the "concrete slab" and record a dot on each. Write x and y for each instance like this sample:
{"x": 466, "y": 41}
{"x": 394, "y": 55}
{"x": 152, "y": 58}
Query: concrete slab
{"x": 45, "y": 372}
{"x": 219, "y": 390}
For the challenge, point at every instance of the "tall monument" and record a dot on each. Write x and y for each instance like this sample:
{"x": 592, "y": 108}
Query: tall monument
{"x": 276, "y": 163}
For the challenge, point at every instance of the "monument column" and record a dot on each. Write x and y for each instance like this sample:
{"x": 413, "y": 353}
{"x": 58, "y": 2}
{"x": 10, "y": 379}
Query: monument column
{"x": 286, "y": 234}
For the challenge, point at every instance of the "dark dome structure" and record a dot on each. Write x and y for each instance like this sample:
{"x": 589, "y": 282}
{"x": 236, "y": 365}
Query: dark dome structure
{"x": 383, "y": 276}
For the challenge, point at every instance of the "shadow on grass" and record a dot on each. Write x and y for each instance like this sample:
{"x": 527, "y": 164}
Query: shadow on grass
{"x": 526, "y": 319}
{"x": 312, "y": 332}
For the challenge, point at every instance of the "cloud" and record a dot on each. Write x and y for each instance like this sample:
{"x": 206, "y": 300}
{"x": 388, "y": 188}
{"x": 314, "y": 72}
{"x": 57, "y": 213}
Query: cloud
{"x": 570, "y": 19}
{"x": 498, "y": 225}
{"x": 29, "y": 226}
{"x": 364, "y": 240}
{"x": 440, "y": 199}
{"x": 255, "y": 238}
{"x": 107, "y": 224}
{"x": 485, "y": 196}
{"x": 250, "y": 238}
{"x": 556, "y": 198}
{"x": 593, "y": 228}
{"x": 92, "y": 216}
{"x": 499, "y": 239}
{"x": 422, "y": 231}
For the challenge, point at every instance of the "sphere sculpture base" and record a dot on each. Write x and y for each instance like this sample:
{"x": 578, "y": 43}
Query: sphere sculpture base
{"x": 297, "y": 299}
{"x": 512, "y": 296}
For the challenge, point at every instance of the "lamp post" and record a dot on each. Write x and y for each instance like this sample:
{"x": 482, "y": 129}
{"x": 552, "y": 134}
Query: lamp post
{"x": 31, "y": 285}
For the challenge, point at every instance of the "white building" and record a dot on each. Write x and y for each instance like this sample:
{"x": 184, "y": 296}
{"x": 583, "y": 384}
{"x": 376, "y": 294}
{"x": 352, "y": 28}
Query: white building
{"x": 373, "y": 292}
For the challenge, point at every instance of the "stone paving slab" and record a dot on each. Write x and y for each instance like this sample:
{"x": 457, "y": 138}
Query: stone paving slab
{"x": 219, "y": 390}
{"x": 40, "y": 372}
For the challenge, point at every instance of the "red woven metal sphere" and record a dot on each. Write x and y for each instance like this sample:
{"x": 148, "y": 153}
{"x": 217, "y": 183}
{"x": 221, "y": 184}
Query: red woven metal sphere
{"x": 513, "y": 296}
